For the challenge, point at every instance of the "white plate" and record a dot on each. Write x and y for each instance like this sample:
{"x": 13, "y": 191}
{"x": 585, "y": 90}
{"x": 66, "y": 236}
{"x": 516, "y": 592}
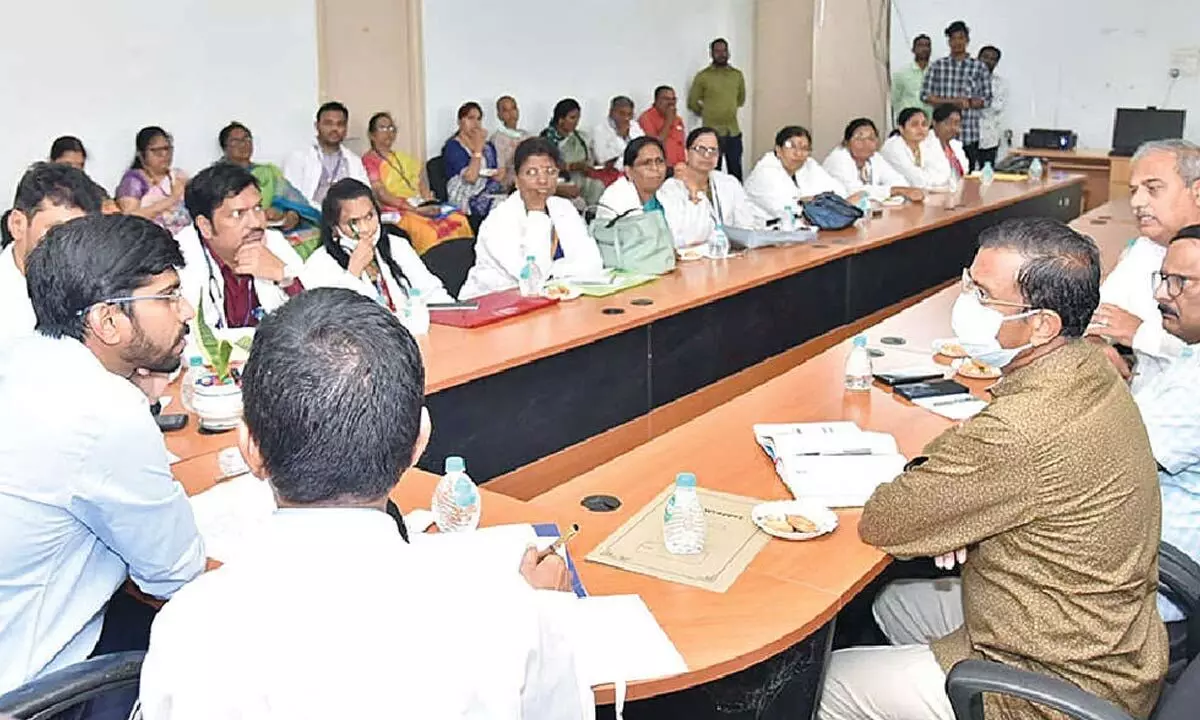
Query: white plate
{"x": 824, "y": 518}
{"x": 487, "y": 172}
{"x": 940, "y": 342}
{"x": 572, "y": 291}
{"x": 894, "y": 201}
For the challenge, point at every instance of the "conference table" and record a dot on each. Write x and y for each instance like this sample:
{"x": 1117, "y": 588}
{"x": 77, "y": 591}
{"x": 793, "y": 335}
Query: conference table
{"x": 791, "y": 592}
{"x": 518, "y": 399}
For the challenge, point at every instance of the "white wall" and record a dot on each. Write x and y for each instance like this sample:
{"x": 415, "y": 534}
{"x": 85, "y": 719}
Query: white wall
{"x": 541, "y": 51}
{"x": 1070, "y": 63}
{"x": 102, "y": 70}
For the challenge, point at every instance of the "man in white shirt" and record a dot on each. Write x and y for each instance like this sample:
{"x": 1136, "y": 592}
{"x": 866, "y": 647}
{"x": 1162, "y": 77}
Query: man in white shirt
{"x": 1165, "y": 194}
{"x": 328, "y": 612}
{"x": 1169, "y": 400}
{"x": 991, "y": 118}
{"x": 313, "y": 169}
{"x": 86, "y": 493}
{"x": 610, "y": 137}
{"x": 237, "y": 269}
{"x": 48, "y": 194}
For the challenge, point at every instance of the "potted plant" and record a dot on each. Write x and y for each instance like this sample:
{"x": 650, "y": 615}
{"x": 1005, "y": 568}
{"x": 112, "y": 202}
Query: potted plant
{"x": 217, "y": 392}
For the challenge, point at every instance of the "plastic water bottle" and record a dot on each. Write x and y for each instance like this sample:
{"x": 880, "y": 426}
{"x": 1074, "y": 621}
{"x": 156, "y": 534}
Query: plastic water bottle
{"x": 684, "y": 526}
{"x": 718, "y": 243}
{"x": 789, "y": 218}
{"x": 530, "y": 282}
{"x": 187, "y": 387}
{"x": 987, "y": 176}
{"x": 858, "y": 366}
{"x": 416, "y": 313}
{"x": 1036, "y": 170}
{"x": 864, "y": 205}
{"x": 456, "y": 501}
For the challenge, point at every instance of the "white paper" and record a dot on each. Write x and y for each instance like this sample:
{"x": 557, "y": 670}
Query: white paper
{"x": 815, "y": 434}
{"x": 839, "y": 481}
{"x": 861, "y": 443}
{"x": 617, "y": 639}
{"x": 489, "y": 550}
{"x": 229, "y": 512}
{"x": 954, "y": 407}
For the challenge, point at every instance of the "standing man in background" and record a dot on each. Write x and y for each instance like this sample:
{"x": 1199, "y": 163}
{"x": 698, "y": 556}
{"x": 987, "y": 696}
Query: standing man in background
{"x": 907, "y": 83}
{"x": 962, "y": 81}
{"x": 991, "y": 123}
{"x": 717, "y": 92}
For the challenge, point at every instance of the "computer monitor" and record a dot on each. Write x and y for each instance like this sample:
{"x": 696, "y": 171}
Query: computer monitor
{"x": 1134, "y": 126}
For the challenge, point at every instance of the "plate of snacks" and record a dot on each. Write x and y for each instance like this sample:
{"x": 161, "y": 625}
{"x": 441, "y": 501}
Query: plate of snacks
{"x": 794, "y": 519}
{"x": 559, "y": 290}
{"x": 976, "y": 370}
{"x": 949, "y": 347}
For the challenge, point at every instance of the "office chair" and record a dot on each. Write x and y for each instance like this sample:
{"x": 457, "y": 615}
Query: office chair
{"x": 98, "y": 678}
{"x": 435, "y": 170}
{"x": 451, "y": 260}
{"x": 1179, "y": 580}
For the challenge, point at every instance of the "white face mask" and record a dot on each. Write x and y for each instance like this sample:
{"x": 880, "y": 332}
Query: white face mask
{"x": 349, "y": 243}
{"x": 976, "y": 327}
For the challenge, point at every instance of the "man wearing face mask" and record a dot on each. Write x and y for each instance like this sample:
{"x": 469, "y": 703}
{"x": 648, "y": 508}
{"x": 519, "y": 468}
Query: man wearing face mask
{"x": 531, "y": 223}
{"x": 237, "y": 269}
{"x": 1165, "y": 195}
{"x": 1051, "y": 488}
{"x": 1169, "y": 400}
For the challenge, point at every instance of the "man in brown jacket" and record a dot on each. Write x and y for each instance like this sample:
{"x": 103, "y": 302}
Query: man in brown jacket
{"x": 1051, "y": 490}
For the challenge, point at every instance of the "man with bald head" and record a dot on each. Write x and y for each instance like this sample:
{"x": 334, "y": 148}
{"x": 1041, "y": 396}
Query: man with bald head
{"x": 1164, "y": 186}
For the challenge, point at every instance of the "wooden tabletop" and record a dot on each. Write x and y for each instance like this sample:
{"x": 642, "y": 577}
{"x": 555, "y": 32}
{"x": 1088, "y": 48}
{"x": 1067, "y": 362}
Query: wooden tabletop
{"x": 454, "y": 356}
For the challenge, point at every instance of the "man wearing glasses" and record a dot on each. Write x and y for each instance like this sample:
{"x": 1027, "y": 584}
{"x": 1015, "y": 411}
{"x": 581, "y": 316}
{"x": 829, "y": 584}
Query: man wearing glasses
{"x": 86, "y": 493}
{"x": 1049, "y": 495}
{"x": 1169, "y": 399}
{"x": 47, "y": 195}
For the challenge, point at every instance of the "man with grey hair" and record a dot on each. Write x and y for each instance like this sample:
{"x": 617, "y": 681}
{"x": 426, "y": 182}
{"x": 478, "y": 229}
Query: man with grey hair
{"x": 1164, "y": 183}
{"x": 611, "y": 136}
{"x": 1051, "y": 489}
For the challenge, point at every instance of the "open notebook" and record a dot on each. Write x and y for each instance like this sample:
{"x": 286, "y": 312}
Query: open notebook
{"x": 834, "y": 463}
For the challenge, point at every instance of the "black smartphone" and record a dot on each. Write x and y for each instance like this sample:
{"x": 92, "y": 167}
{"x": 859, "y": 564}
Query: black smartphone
{"x": 461, "y": 305}
{"x": 937, "y": 388}
{"x": 170, "y": 422}
{"x": 910, "y": 375}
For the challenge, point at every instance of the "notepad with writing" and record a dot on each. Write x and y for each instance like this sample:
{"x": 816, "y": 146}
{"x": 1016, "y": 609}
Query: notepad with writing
{"x": 834, "y": 463}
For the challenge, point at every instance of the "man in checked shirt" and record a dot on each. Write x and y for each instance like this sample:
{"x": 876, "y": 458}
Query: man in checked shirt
{"x": 962, "y": 81}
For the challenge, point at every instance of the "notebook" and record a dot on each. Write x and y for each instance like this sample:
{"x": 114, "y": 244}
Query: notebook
{"x": 493, "y": 308}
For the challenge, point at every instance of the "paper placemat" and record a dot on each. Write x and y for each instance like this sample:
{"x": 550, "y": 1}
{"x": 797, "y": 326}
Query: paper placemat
{"x": 621, "y": 281}
{"x": 731, "y": 543}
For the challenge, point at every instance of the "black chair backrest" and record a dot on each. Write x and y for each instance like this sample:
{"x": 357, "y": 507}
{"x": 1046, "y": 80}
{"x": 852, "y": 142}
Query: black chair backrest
{"x": 435, "y": 170}
{"x": 1181, "y": 700}
{"x": 969, "y": 679}
{"x": 451, "y": 260}
{"x": 1179, "y": 581}
{"x": 99, "y": 679}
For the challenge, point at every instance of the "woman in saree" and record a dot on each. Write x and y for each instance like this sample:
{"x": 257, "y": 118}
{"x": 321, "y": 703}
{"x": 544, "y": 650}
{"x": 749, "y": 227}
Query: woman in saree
{"x": 473, "y": 172}
{"x": 283, "y": 203}
{"x": 576, "y": 152}
{"x": 151, "y": 188}
{"x": 400, "y": 187}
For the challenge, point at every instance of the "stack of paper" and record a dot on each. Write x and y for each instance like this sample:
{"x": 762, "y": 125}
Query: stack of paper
{"x": 229, "y": 512}
{"x": 834, "y": 463}
{"x": 955, "y": 407}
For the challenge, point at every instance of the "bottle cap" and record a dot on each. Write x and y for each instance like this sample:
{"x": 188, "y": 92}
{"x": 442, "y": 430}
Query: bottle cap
{"x": 860, "y": 341}
{"x": 455, "y": 464}
{"x": 685, "y": 479}
{"x": 529, "y": 258}
{"x": 195, "y": 361}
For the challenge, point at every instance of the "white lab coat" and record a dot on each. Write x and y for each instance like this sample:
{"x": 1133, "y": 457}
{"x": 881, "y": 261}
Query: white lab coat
{"x": 619, "y": 198}
{"x": 607, "y": 144}
{"x": 201, "y": 278}
{"x": 349, "y": 621}
{"x": 303, "y": 169}
{"x": 510, "y": 234}
{"x": 991, "y": 118}
{"x": 16, "y": 310}
{"x": 431, "y": 288}
{"x": 882, "y": 176}
{"x": 934, "y": 170}
{"x": 692, "y": 223}
{"x": 771, "y": 188}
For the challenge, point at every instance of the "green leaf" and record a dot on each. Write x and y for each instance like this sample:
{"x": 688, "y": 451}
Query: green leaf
{"x": 221, "y": 362}
{"x": 245, "y": 342}
{"x": 218, "y": 351}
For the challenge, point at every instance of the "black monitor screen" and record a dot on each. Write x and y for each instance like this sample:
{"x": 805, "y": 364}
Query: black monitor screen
{"x": 1134, "y": 126}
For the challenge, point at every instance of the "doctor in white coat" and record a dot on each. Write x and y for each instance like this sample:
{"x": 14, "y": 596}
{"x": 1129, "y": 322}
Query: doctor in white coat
{"x": 858, "y": 166}
{"x": 636, "y": 191}
{"x": 381, "y": 265}
{"x": 788, "y": 175}
{"x": 236, "y": 268}
{"x": 315, "y": 168}
{"x": 531, "y": 222}
{"x": 915, "y": 152}
{"x": 700, "y": 196}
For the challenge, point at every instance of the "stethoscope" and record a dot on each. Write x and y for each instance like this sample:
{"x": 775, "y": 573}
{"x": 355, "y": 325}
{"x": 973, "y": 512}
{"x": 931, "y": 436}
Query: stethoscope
{"x": 216, "y": 294}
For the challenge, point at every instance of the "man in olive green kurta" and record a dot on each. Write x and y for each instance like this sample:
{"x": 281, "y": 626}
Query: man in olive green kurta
{"x": 716, "y": 94}
{"x": 1051, "y": 489}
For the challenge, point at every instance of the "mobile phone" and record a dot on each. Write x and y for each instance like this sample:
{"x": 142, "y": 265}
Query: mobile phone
{"x": 936, "y": 388}
{"x": 169, "y": 422}
{"x": 464, "y": 305}
{"x": 905, "y": 376}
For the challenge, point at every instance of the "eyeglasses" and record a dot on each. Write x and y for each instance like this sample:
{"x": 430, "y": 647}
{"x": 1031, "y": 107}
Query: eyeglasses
{"x": 534, "y": 172}
{"x": 703, "y": 151}
{"x": 651, "y": 163}
{"x": 253, "y": 210}
{"x": 244, "y": 140}
{"x": 869, "y": 137}
{"x": 971, "y": 287}
{"x": 385, "y": 128}
{"x": 175, "y": 297}
{"x": 797, "y": 146}
{"x": 1175, "y": 283}
{"x": 160, "y": 150}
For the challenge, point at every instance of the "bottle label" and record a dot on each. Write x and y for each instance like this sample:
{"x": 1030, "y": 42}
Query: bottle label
{"x": 670, "y": 511}
{"x": 465, "y": 492}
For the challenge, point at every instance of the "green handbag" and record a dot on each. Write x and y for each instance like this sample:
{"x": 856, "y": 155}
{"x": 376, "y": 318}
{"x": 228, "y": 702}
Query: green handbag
{"x": 637, "y": 243}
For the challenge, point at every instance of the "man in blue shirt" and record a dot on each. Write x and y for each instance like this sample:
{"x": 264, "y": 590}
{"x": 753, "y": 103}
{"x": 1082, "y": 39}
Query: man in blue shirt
{"x": 86, "y": 493}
